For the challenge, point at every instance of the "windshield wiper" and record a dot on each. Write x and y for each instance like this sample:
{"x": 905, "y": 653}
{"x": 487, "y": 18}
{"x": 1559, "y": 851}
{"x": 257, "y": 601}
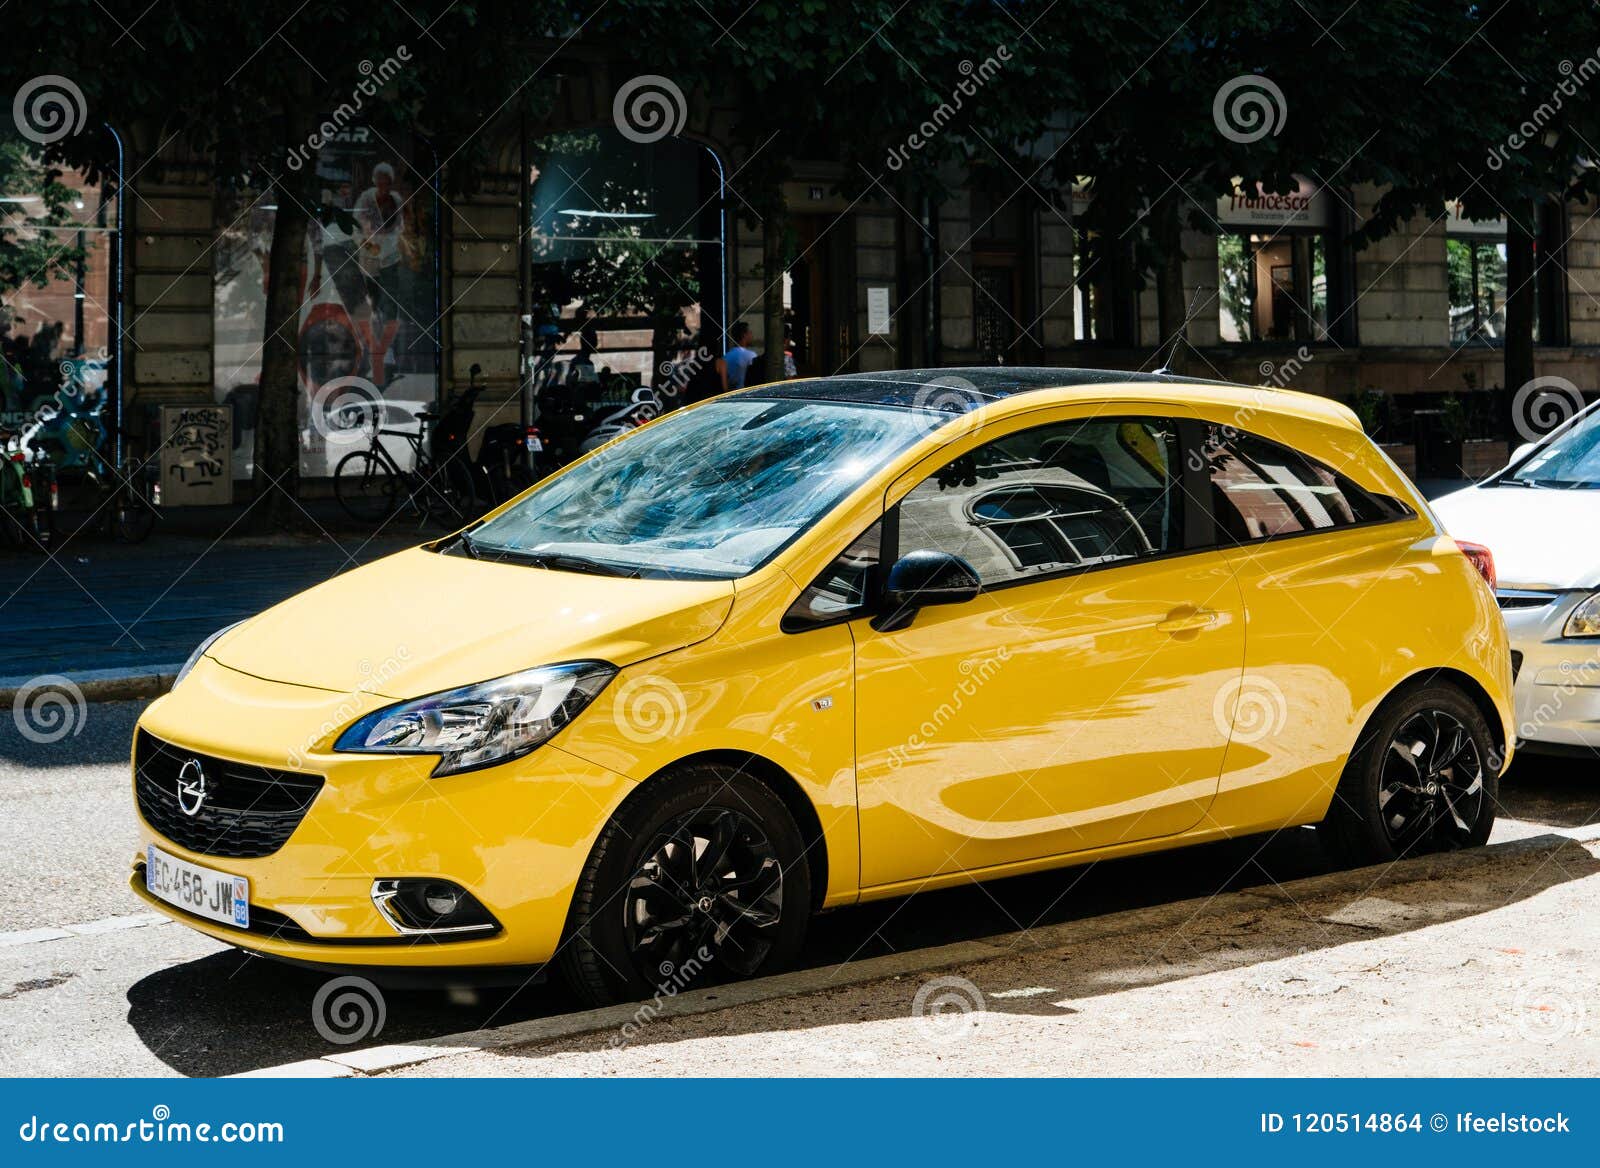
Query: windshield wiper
{"x": 558, "y": 561}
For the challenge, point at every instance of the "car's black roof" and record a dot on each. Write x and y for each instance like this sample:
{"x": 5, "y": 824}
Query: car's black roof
{"x": 924, "y": 388}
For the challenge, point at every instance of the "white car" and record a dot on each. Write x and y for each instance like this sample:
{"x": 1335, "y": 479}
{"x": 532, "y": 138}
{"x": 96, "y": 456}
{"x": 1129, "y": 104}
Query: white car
{"x": 1540, "y": 518}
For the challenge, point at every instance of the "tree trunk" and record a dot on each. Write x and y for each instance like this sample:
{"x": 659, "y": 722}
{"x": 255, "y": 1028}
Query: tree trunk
{"x": 773, "y": 255}
{"x": 277, "y": 453}
{"x": 1519, "y": 302}
{"x": 1172, "y": 309}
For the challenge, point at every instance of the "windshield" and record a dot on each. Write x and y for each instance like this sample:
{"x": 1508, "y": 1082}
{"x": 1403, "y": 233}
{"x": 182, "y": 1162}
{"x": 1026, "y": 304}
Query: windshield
{"x": 712, "y": 492}
{"x": 1571, "y": 459}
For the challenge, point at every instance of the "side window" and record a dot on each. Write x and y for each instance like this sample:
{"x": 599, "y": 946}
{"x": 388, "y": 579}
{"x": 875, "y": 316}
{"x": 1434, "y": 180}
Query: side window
{"x": 841, "y": 591}
{"x": 1070, "y": 495}
{"x": 1260, "y": 489}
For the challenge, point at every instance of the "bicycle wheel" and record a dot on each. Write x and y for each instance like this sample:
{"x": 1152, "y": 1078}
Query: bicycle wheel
{"x": 449, "y": 493}
{"x": 366, "y": 486}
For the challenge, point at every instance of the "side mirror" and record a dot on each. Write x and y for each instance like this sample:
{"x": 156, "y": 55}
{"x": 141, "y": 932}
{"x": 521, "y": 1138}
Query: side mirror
{"x": 1521, "y": 452}
{"x": 919, "y": 579}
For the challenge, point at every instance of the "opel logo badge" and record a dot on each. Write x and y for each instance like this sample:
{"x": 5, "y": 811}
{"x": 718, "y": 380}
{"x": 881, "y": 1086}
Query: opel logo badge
{"x": 191, "y": 787}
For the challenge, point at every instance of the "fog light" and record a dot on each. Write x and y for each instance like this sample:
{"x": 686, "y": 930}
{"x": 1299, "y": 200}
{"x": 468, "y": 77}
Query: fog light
{"x": 420, "y": 907}
{"x": 441, "y": 899}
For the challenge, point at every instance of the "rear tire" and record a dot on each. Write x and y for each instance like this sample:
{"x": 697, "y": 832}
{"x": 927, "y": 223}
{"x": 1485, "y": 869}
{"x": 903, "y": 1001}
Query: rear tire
{"x": 701, "y": 876}
{"x": 1424, "y": 778}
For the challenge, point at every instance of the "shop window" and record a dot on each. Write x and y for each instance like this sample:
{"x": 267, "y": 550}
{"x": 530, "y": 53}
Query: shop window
{"x": 369, "y": 303}
{"x": 1272, "y": 287}
{"x": 1273, "y": 260}
{"x": 58, "y": 313}
{"x": 627, "y": 262}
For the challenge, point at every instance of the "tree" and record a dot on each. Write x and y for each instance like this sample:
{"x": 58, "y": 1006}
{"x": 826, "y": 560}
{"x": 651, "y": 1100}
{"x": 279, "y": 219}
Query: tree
{"x": 259, "y": 94}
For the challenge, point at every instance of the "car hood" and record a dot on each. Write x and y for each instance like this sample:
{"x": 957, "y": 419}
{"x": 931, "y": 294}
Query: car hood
{"x": 1540, "y": 537}
{"x": 419, "y": 622}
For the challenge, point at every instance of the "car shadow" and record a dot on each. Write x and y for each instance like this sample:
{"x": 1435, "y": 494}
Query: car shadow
{"x": 1043, "y": 977}
{"x": 1552, "y": 791}
{"x": 229, "y": 1012}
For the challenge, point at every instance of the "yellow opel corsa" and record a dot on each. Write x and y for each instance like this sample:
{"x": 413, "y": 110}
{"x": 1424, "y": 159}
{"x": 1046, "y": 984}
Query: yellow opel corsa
{"x": 825, "y": 641}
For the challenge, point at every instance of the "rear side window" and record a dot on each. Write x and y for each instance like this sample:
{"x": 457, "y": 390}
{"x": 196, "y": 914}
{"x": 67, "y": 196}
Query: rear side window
{"x": 1261, "y": 489}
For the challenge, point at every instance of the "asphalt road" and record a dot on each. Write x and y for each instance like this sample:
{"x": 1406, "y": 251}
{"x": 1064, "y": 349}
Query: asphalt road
{"x": 158, "y": 999}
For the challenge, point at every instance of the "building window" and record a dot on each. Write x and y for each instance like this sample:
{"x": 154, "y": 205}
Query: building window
{"x": 1272, "y": 265}
{"x": 1476, "y": 273}
{"x": 627, "y": 261}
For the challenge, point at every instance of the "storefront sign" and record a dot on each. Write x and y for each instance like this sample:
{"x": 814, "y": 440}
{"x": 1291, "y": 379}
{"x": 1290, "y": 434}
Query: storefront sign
{"x": 1306, "y": 206}
{"x": 196, "y": 454}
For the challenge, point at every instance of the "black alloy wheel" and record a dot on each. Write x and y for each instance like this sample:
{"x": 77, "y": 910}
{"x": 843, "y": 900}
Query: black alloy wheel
{"x": 1424, "y": 777}
{"x": 710, "y": 890}
{"x": 1431, "y": 790}
{"x": 701, "y": 876}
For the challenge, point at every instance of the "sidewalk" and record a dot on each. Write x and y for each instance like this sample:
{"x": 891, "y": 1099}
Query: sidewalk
{"x": 97, "y": 607}
{"x": 1471, "y": 963}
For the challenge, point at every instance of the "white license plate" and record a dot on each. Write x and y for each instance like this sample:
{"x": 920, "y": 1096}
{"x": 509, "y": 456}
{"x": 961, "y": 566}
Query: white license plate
{"x": 217, "y": 896}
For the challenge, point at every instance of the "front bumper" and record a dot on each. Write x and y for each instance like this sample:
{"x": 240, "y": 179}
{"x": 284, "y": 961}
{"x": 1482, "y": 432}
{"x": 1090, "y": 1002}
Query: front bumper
{"x": 515, "y": 836}
{"x": 1557, "y": 689}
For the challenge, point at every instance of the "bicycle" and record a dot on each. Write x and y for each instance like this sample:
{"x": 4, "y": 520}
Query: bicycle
{"x": 370, "y": 484}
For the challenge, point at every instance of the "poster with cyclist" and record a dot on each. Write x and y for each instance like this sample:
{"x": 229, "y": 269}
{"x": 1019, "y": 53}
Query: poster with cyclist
{"x": 367, "y": 335}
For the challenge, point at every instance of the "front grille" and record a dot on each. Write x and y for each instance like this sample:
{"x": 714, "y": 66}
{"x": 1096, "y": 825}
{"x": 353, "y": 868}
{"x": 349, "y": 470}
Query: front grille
{"x": 1516, "y": 663}
{"x": 246, "y": 812}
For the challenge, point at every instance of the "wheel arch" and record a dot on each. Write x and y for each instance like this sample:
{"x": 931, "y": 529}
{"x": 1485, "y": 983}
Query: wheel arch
{"x": 1466, "y": 683}
{"x": 783, "y": 785}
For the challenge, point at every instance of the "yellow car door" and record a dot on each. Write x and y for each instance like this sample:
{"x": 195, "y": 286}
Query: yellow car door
{"x": 1082, "y": 699}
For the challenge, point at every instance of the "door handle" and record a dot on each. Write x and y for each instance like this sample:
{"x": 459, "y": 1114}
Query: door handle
{"x": 1188, "y": 620}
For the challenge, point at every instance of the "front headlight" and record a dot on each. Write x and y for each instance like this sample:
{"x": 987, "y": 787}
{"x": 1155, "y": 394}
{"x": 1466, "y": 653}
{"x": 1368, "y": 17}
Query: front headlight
{"x": 194, "y": 658}
{"x": 484, "y": 724}
{"x": 1585, "y": 619}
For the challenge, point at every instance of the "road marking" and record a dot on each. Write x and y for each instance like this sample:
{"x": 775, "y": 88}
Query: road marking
{"x": 86, "y": 929}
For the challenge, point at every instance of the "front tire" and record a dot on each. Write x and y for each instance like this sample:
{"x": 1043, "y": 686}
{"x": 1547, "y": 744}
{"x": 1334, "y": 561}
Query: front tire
{"x": 1424, "y": 778}
{"x": 701, "y": 876}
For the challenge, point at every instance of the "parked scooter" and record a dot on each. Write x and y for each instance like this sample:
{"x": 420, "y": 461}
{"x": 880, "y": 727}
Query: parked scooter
{"x": 29, "y": 493}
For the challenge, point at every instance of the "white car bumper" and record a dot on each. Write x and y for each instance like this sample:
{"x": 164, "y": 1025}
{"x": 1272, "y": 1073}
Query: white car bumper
{"x": 1557, "y": 689}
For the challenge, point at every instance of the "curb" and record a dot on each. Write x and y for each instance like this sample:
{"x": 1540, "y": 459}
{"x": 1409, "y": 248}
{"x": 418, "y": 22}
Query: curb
{"x": 380, "y": 1059}
{"x": 100, "y": 685}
